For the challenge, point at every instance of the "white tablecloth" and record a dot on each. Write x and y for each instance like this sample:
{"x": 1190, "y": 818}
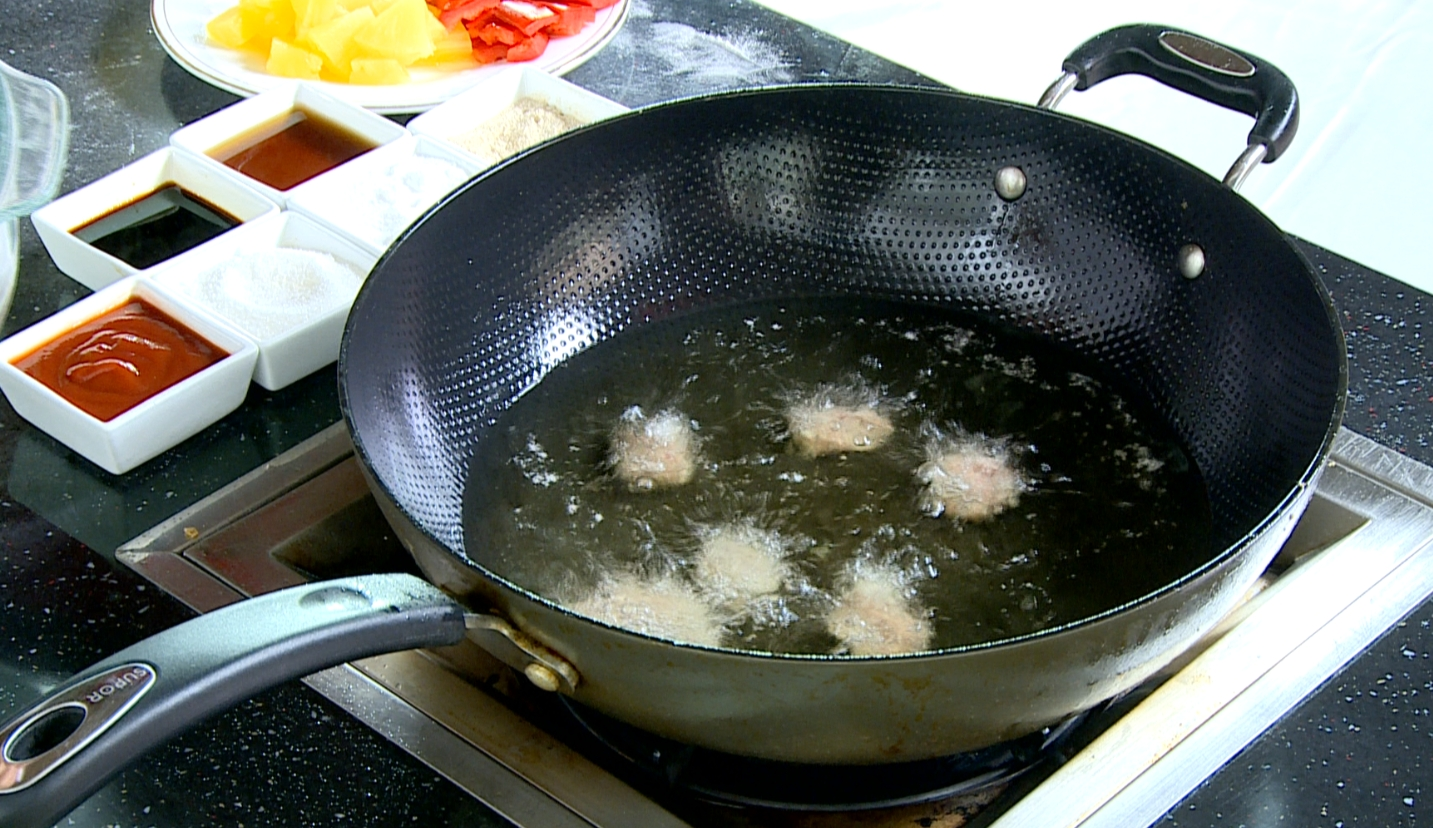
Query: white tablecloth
{"x": 1356, "y": 179}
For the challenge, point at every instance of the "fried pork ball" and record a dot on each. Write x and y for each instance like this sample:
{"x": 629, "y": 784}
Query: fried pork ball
{"x": 738, "y": 563}
{"x": 971, "y": 479}
{"x": 873, "y": 616}
{"x": 653, "y": 452}
{"x": 664, "y": 607}
{"x": 836, "y": 420}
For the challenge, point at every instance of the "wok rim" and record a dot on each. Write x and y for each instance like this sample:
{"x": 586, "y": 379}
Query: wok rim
{"x": 1307, "y": 479}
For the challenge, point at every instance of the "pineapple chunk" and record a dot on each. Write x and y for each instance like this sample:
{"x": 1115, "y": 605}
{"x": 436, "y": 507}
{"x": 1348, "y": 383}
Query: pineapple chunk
{"x": 376, "y": 71}
{"x": 357, "y": 41}
{"x": 289, "y": 61}
{"x": 453, "y": 47}
{"x": 311, "y": 13}
{"x": 399, "y": 32}
{"x": 436, "y": 30}
{"x": 268, "y": 19}
{"x": 334, "y": 39}
{"x": 230, "y": 29}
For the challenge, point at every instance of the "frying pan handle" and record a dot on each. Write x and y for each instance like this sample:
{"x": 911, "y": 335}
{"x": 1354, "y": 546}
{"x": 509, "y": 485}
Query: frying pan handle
{"x": 1193, "y": 64}
{"x": 67, "y": 745}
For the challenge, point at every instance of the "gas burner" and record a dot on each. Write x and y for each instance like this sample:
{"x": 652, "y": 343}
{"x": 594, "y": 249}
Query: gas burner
{"x": 1359, "y": 559}
{"x": 728, "y": 779}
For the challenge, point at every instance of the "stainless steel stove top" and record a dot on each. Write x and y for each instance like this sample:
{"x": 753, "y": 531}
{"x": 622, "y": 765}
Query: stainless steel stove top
{"x": 1357, "y": 562}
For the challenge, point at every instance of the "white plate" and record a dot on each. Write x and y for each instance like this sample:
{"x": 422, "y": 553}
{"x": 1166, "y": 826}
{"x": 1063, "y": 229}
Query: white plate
{"x": 180, "y": 27}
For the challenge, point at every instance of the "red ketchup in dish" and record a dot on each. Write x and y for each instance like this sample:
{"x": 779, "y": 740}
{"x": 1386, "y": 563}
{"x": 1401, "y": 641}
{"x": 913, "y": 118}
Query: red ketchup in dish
{"x": 119, "y": 359}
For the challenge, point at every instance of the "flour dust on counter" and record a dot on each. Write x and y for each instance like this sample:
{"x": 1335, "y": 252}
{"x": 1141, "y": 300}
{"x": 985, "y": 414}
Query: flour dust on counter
{"x": 856, "y": 477}
{"x": 661, "y": 57}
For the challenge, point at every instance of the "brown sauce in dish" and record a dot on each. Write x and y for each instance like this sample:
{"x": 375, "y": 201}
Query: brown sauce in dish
{"x": 156, "y": 226}
{"x": 291, "y": 149}
{"x": 119, "y": 359}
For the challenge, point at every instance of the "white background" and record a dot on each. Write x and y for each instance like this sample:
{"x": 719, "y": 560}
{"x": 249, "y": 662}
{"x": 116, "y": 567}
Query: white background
{"x": 1357, "y": 179}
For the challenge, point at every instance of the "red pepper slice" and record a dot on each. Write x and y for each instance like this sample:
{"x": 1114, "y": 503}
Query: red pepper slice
{"x": 571, "y": 19}
{"x": 489, "y": 53}
{"x": 516, "y": 30}
{"x": 493, "y": 32}
{"x": 529, "y": 49}
{"x": 464, "y": 10}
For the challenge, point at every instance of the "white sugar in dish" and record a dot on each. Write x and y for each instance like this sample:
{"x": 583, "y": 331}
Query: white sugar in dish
{"x": 266, "y": 293}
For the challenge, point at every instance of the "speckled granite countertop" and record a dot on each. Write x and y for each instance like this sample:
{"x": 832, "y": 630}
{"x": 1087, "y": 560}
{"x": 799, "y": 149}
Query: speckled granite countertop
{"x": 1352, "y": 754}
{"x": 1359, "y": 751}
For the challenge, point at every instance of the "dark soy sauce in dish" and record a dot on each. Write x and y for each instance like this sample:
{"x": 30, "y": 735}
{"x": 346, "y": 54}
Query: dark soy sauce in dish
{"x": 156, "y": 226}
{"x": 291, "y": 149}
{"x": 1099, "y": 505}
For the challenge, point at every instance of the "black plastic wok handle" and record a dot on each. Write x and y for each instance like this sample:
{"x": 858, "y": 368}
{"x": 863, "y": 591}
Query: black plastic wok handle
{"x": 1193, "y": 64}
{"x": 66, "y": 746}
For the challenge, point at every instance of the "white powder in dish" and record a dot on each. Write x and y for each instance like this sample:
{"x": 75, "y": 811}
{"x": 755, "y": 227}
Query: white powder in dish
{"x": 266, "y": 293}
{"x": 389, "y": 197}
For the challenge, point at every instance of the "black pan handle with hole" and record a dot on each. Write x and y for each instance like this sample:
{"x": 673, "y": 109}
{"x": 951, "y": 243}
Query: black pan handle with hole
{"x": 63, "y": 748}
{"x": 1201, "y": 67}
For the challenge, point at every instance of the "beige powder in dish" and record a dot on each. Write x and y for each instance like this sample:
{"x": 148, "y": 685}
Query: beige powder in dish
{"x": 525, "y": 123}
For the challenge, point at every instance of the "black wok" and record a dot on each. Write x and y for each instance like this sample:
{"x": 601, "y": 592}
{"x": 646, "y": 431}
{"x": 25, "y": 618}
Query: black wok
{"x": 869, "y": 192}
{"x": 1167, "y": 278}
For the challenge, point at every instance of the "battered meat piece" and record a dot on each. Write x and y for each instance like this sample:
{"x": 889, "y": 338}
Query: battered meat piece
{"x": 653, "y": 452}
{"x": 874, "y": 617}
{"x": 663, "y": 607}
{"x": 971, "y": 479}
{"x": 738, "y": 563}
{"x": 837, "y": 419}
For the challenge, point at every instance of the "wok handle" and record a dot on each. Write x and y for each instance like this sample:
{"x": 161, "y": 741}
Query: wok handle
{"x": 1193, "y": 64}
{"x": 67, "y": 745}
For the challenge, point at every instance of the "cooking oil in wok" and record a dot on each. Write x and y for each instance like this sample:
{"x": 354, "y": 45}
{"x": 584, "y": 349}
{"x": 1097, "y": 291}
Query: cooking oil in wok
{"x": 994, "y": 486}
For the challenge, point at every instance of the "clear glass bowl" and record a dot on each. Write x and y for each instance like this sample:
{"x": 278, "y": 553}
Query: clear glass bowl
{"x": 34, "y": 137}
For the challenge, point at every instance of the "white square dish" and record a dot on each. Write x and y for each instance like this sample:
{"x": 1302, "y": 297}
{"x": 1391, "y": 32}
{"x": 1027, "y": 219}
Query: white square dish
{"x": 374, "y": 198}
{"x": 155, "y": 424}
{"x": 285, "y": 282}
{"x": 231, "y": 130}
{"x": 461, "y": 121}
{"x": 107, "y": 198}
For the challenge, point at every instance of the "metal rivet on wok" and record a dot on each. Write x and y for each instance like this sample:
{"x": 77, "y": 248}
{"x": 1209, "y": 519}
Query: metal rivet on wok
{"x": 1191, "y": 261}
{"x": 542, "y": 677}
{"x": 1010, "y": 183}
